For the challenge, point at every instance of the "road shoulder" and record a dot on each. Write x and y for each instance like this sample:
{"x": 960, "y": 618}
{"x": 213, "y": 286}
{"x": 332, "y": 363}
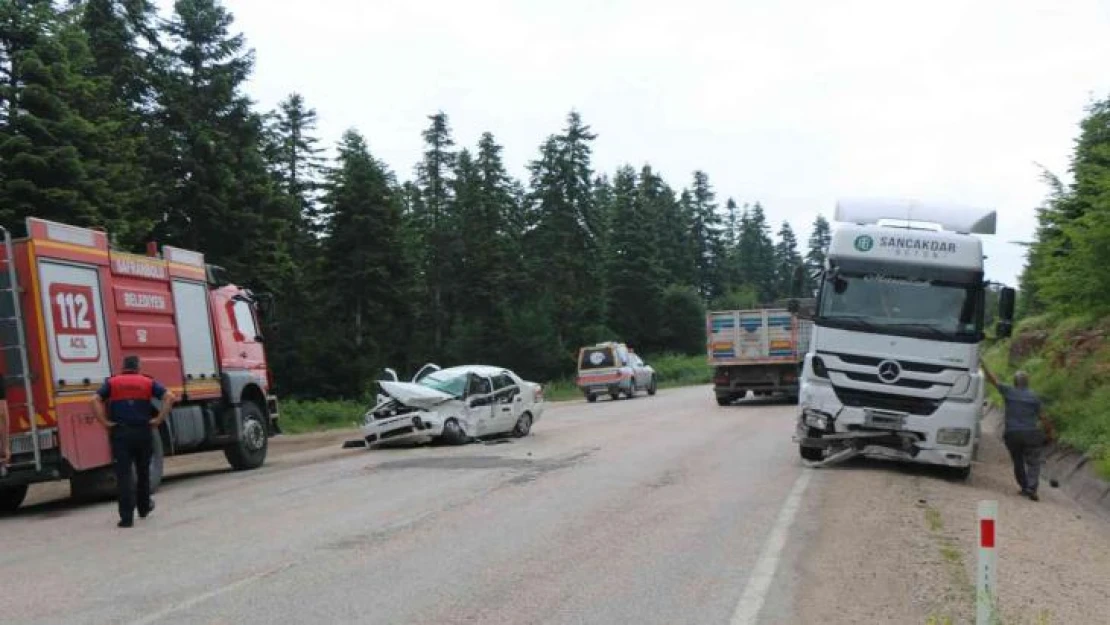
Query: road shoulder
{"x": 896, "y": 544}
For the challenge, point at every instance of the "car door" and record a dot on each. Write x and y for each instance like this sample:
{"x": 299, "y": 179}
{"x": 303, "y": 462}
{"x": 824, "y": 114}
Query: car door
{"x": 508, "y": 402}
{"x": 480, "y": 404}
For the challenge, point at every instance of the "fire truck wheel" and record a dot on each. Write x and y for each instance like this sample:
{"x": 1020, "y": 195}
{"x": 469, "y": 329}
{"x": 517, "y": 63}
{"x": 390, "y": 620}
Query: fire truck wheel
{"x": 250, "y": 451}
{"x": 11, "y": 497}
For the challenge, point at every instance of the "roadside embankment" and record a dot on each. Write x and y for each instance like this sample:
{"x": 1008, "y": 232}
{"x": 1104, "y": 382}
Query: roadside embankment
{"x": 1068, "y": 361}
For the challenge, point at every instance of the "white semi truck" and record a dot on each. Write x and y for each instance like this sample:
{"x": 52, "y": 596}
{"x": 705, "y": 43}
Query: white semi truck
{"x": 893, "y": 364}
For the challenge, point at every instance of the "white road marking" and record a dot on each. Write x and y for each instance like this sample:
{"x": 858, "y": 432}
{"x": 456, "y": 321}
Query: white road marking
{"x": 755, "y": 593}
{"x": 201, "y": 598}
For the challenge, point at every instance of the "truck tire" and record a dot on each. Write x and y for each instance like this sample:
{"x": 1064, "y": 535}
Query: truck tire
{"x": 590, "y": 397}
{"x": 960, "y": 473}
{"x": 724, "y": 400}
{"x": 249, "y": 452}
{"x": 11, "y": 497}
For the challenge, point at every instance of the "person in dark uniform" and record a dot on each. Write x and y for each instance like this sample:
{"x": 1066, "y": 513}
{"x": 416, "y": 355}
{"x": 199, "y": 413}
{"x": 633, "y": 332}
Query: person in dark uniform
{"x": 129, "y": 399}
{"x": 1027, "y": 430}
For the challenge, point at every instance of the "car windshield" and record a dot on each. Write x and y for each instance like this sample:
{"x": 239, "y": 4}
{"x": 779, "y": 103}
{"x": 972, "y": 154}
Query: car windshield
{"x": 901, "y": 305}
{"x": 453, "y": 384}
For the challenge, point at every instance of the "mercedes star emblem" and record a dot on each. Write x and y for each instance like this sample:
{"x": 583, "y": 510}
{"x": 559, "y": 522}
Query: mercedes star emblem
{"x": 889, "y": 371}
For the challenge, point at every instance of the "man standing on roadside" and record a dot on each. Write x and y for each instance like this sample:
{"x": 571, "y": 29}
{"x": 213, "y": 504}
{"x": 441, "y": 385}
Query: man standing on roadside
{"x": 129, "y": 397}
{"x": 1024, "y": 439}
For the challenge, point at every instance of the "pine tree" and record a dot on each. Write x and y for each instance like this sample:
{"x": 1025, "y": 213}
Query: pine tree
{"x": 206, "y": 135}
{"x": 121, "y": 37}
{"x": 818, "y": 247}
{"x": 633, "y": 274}
{"x": 294, "y": 155}
{"x": 787, "y": 262}
{"x": 755, "y": 255}
{"x": 566, "y": 240}
{"x": 707, "y": 238}
{"x": 435, "y": 222}
{"x": 43, "y": 65}
{"x": 363, "y": 206}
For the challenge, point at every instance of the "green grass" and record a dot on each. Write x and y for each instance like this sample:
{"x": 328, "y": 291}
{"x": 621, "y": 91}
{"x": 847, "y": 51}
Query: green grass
{"x": 1070, "y": 371}
{"x": 301, "y": 416}
{"x": 671, "y": 370}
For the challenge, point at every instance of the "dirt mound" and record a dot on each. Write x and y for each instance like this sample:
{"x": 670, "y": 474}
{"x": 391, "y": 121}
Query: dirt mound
{"x": 1027, "y": 344}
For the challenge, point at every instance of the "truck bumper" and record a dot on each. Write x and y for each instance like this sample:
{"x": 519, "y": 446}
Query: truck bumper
{"x": 823, "y": 421}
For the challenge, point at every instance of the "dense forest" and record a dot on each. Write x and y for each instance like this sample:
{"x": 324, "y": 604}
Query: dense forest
{"x": 112, "y": 115}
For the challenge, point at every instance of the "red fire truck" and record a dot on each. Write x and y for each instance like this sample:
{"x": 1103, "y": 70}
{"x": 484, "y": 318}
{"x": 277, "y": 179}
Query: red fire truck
{"x": 71, "y": 308}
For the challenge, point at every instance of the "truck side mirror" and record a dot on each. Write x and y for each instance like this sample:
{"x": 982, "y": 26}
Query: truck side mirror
{"x": 1005, "y": 326}
{"x": 1006, "y": 299}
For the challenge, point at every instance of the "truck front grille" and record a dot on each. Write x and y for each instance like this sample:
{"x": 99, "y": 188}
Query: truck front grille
{"x": 855, "y": 398}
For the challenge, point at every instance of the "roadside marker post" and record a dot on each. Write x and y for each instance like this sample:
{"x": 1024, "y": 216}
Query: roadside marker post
{"x": 986, "y": 599}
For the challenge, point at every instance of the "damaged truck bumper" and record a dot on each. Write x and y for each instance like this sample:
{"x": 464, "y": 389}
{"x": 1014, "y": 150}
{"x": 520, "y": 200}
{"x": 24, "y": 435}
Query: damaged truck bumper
{"x": 947, "y": 437}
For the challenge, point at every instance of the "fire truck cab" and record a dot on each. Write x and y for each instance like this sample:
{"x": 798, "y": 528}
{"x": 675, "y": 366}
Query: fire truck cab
{"x": 71, "y": 308}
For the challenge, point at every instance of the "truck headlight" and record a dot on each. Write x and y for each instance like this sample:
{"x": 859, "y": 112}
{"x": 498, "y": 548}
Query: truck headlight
{"x": 961, "y": 385}
{"x": 815, "y": 419}
{"x": 957, "y": 437}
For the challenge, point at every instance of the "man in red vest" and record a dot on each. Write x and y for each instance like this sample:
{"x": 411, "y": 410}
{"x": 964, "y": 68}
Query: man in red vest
{"x": 129, "y": 398}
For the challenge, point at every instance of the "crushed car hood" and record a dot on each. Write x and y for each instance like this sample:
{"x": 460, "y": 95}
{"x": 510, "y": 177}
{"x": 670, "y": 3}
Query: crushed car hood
{"x": 415, "y": 395}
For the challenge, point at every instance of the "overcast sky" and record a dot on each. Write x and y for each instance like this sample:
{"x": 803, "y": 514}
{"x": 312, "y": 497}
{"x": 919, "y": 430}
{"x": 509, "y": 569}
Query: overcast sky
{"x": 792, "y": 103}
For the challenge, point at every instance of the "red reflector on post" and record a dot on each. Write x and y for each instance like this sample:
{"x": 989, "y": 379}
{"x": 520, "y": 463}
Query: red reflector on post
{"x": 986, "y": 533}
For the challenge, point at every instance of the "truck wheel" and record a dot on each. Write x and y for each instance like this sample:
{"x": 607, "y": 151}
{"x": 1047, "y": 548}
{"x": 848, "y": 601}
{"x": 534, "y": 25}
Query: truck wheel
{"x": 651, "y": 387}
{"x": 724, "y": 400}
{"x": 615, "y": 394}
{"x": 11, "y": 497}
{"x": 453, "y": 433}
{"x": 960, "y": 473}
{"x": 590, "y": 397}
{"x": 250, "y": 451}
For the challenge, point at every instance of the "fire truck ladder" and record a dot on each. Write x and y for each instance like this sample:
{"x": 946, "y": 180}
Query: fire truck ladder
{"x": 13, "y": 343}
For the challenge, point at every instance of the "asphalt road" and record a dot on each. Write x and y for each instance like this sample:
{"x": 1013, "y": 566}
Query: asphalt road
{"x": 665, "y": 509}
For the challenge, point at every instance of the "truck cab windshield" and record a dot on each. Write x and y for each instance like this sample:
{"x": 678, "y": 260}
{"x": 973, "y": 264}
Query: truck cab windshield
{"x": 931, "y": 309}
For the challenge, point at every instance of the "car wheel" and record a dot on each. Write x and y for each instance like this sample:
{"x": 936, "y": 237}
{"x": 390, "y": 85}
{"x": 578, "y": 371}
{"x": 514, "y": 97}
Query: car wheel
{"x": 523, "y": 426}
{"x": 651, "y": 386}
{"x": 453, "y": 433}
{"x": 11, "y": 497}
{"x": 590, "y": 397}
{"x": 631, "y": 392}
{"x": 724, "y": 400}
{"x": 615, "y": 395}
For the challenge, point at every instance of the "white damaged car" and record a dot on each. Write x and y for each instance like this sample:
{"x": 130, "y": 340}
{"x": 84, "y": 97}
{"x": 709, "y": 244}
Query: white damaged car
{"x": 455, "y": 405}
